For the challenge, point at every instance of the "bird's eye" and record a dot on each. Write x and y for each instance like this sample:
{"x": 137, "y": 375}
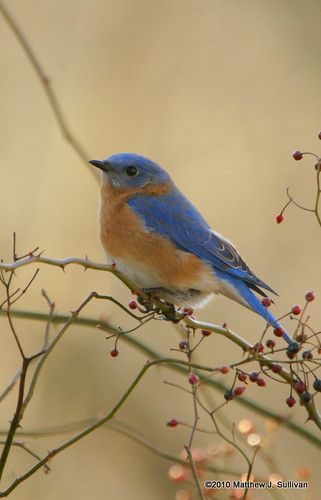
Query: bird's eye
{"x": 131, "y": 170}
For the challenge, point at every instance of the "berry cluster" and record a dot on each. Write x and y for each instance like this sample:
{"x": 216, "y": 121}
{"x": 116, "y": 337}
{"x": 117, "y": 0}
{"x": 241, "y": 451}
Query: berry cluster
{"x": 298, "y": 155}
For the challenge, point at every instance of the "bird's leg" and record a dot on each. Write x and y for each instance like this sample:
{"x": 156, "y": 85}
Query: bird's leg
{"x": 148, "y": 304}
{"x": 155, "y": 294}
{"x": 152, "y": 295}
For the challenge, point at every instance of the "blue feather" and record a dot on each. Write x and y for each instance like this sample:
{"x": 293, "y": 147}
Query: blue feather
{"x": 255, "y": 303}
{"x": 173, "y": 216}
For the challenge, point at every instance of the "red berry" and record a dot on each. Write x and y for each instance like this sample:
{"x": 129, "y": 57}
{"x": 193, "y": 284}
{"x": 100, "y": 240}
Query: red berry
{"x": 270, "y": 343}
{"x": 172, "y": 423}
{"x": 266, "y": 301}
{"x": 225, "y": 369}
{"x": 261, "y": 382}
{"x": 296, "y": 310}
{"x": 132, "y": 304}
{"x": 290, "y": 401}
{"x": 188, "y": 311}
{"x": 206, "y": 333}
{"x": 276, "y": 368}
{"x": 278, "y": 331}
{"x": 258, "y": 347}
{"x": 242, "y": 377}
{"x": 300, "y": 386}
{"x": 238, "y": 391}
{"x": 309, "y": 296}
{"x": 114, "y": 352}
{"x": 319, "y": 134}
{"x": 193, "y": 379}
{"x": 253, "y": 376}
{"x": 297, "y": 155}
{"x": 183, "y": 345}
{"x": 279, "y": 218}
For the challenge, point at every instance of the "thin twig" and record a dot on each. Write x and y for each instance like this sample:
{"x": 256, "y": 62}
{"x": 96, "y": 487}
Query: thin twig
{"x": 78, "y": 436}
{"x": 26, "y": 287}
{"x": 48, "y": 323}
{"x": 29, "y": 451}
{"x": 47, "y": 87}
{"x": 7, "y": 284}
{"x": 15, "y": 422}
{"x": 194, "y": 472}
{"x": 11, "y": 385}
{"x": 142, "y": 347}
{"x": 249, "y": 472}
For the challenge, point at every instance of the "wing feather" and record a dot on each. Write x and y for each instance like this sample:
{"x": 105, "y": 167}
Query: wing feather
{"x": 174, "y": 217}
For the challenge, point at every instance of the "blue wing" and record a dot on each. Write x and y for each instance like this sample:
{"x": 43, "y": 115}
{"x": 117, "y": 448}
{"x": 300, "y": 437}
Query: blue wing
{"x": 173, "y": 216}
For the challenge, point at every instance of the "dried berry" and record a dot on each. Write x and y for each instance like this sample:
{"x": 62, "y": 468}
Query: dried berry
{"x": 266, "y": 301}
{"x": 228, "y": 395}
{"x": 309, "y": 296}
{"x": 261, "y": 382}
{"x": 242, "y": 377}
{"x": 258, "y": 347}
{"x": 290, "y": 401}
{"x": 305, "y": 398}
{"x": 276, "y": 368}
{"x": 253, "y": 376}
{"x": 172, "y": 423}
{"x": 270, "y": 343}
{"x": 193, "y": 379}
{"x": 317, "y": 385}
{"x": 296, "y": 310}
{"x": 300, "y": 386}
{"x": 297, "y": 155}
{"x": 278, "y": 331}
{"x": 238, "y": 391}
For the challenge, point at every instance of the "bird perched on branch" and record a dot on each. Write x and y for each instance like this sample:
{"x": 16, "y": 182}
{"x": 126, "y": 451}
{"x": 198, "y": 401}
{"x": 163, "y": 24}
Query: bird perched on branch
{"x": 155, "y": 236}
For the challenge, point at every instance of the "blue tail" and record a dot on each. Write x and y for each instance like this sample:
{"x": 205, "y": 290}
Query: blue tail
{"x": 256, "y": 304}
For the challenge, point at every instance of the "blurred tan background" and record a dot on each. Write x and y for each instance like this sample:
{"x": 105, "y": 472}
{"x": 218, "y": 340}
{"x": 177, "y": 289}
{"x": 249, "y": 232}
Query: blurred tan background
{"x": 219, "y": 93}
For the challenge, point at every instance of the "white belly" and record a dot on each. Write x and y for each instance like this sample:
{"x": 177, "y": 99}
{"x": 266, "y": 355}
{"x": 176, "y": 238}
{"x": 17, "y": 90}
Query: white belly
{"x": 137, "y": 273}
{"x": 197, "y": 296}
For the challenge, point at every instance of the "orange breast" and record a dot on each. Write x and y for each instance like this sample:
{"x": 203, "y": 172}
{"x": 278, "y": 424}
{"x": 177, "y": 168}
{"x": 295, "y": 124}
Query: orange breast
{"x": 124, "y": 237}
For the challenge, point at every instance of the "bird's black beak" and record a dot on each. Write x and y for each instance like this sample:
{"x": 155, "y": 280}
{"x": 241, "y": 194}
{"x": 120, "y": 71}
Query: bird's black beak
{"x": 102, "y": 165}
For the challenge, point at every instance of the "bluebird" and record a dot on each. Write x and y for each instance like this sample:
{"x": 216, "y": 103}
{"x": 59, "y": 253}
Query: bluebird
{"x": 156, "y": 236}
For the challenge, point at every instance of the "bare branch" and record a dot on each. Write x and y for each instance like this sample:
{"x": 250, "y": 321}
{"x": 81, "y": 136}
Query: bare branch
{"x": 47, "y": 87}
{"x": 142, "y": 347}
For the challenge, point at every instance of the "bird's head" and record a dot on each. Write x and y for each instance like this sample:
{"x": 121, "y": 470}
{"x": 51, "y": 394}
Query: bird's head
{"x": 130, "y": 170}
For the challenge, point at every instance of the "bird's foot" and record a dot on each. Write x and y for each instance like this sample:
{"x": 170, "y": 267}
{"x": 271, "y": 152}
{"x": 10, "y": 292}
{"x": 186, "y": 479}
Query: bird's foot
{"x": 153, "y": 302}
